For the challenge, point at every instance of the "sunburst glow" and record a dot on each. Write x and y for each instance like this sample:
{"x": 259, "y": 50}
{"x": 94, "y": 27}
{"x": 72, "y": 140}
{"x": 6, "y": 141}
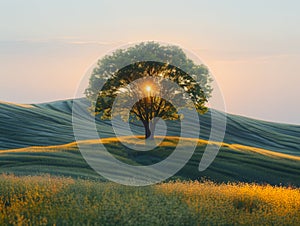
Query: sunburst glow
{"x": 148, "y": 88}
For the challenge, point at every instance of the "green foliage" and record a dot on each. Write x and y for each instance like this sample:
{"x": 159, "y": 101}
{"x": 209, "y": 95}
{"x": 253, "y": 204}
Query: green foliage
{"x": 150, "y": 59}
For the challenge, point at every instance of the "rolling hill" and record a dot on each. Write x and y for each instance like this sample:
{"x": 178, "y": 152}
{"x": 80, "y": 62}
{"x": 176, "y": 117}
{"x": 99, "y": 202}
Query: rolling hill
{"x": 39, "y": 139}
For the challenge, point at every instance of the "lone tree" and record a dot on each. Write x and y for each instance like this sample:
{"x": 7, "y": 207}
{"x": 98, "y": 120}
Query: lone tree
{"x": 119, "y": 70}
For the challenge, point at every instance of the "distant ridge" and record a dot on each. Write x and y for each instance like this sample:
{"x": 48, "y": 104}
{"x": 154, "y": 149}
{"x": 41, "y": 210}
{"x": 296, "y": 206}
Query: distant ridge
{"x": 51, "y": 124}
{"x": 38, "y": 139}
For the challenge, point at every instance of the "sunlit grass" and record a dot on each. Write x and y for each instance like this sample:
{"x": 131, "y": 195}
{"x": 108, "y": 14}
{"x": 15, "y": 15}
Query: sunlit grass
{"x": 263, "y": 152}
{"x": 169, "y": 141}
{"x": 240, "y": 203}
{"x": 17, "y": 105}
{"x": 38, "y": 200}
{"x": 233, "y": 162}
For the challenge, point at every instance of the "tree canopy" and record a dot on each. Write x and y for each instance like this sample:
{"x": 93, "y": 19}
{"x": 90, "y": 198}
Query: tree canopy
{"x": 126, "y": 72}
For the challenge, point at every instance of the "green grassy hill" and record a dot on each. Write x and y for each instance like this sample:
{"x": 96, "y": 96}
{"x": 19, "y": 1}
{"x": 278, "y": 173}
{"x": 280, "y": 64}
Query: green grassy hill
{"x": 253, "y": 150}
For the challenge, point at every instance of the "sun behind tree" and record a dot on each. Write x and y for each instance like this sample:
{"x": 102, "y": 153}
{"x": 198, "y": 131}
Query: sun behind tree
{"x": 148, "y": 88}
{"x": 193, "y": 82}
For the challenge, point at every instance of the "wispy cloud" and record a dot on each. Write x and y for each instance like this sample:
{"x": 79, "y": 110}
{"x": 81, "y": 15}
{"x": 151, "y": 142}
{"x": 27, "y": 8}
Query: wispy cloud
{"x": 79, "y": 42}
{"x": 64, "y": 40}
{"x": 241, "y": 56}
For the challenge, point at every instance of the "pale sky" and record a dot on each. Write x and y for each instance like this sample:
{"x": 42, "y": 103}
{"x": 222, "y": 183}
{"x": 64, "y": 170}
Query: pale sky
{"x": 251, "y": 47}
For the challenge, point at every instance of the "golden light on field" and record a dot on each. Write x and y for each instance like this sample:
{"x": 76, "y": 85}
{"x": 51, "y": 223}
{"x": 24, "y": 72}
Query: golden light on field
{"x": 49, "y": 200}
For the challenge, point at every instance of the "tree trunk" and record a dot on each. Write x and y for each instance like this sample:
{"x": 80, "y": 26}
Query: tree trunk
{"x": 152, "y": 125}
{"x": 149, "y": 129}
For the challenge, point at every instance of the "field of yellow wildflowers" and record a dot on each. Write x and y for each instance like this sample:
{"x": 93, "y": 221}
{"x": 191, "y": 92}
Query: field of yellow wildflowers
{"x": 48, "y": 200}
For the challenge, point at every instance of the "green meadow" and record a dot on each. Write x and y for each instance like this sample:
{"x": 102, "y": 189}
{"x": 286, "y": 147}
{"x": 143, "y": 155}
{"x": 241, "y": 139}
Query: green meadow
{"x": 37, "y": 139}
{"x": 45, "y": 180}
